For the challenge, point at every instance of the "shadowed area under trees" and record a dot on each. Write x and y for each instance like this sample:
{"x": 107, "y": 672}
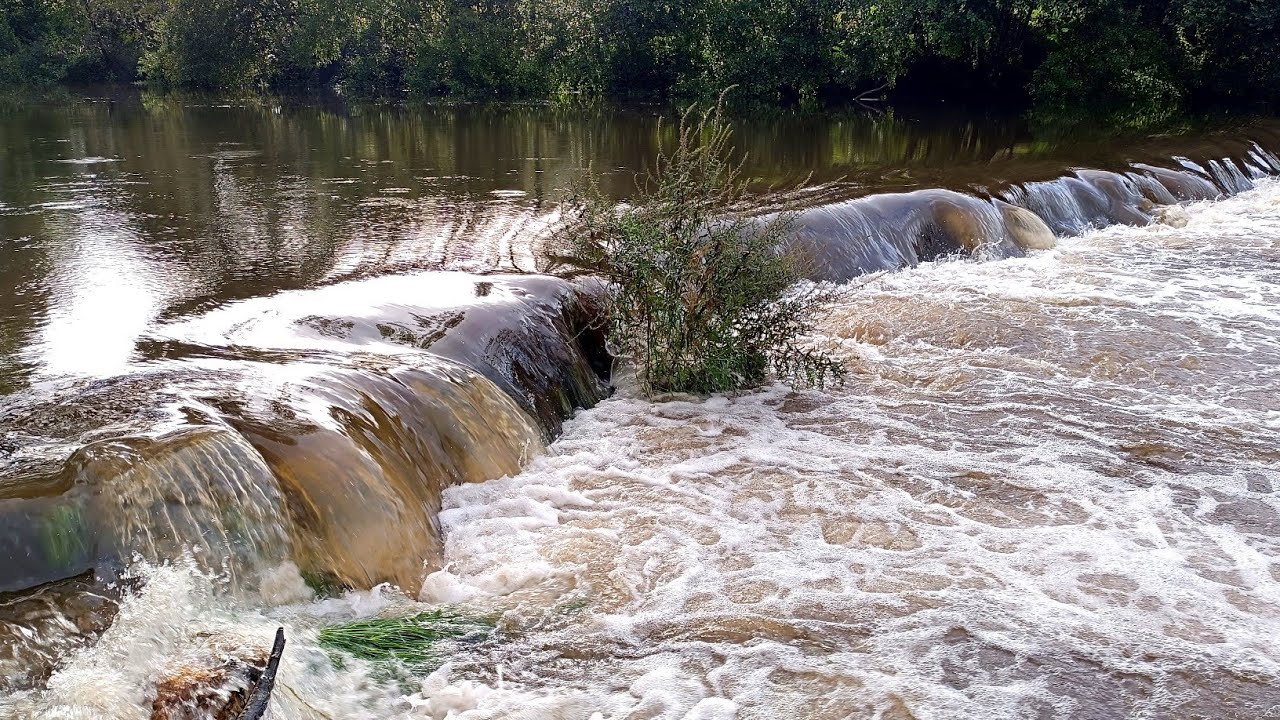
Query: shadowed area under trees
{"x": 1134, "y": 62}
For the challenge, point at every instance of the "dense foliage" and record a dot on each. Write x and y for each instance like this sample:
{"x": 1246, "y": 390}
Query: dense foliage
{"x": 700, "y": 298}
{"x": 1134, "y": 59}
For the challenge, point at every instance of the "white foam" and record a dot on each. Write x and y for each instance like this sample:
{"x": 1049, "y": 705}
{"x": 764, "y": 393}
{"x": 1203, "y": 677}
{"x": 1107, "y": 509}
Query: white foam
{"x": 284, "y": 585}
{"x": 1011, "y": 506}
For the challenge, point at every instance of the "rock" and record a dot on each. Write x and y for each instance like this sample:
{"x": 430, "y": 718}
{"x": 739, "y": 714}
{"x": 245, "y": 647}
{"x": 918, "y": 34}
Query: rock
{"x": 39, "y": 628}
{"x": 959, "y": 225}
{"x": 211, "y": 693}
{"x": 1248, "y": 515}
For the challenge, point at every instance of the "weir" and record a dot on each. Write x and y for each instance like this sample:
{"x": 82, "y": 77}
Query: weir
{"x": 317, "y": 428}
{"x": 897, "y": 230}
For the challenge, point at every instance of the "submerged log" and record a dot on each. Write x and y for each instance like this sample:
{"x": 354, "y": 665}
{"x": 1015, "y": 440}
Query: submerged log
{"x": 218, "y": 693}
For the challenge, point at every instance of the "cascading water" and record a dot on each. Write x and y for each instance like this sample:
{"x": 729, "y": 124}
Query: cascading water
{"x": 886, "y": 232}
{"x": 896, "y": 230}
{"x": 313, "y": 431}
{"x": 1046, "y": 491}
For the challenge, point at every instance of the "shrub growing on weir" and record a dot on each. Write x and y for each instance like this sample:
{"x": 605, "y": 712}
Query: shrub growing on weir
{"x": 701, "y": 299}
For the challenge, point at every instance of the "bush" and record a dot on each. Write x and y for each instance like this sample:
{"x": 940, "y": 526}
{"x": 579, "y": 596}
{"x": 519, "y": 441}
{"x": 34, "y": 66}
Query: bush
{"x": 38, "y": 41}
{"x": 1107, "y": 68}
{"x": 207, "y": 45}
{"x": 701, "y": 297}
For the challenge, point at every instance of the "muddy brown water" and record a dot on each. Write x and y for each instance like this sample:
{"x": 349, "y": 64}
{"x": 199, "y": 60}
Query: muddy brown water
{"x": 283, "y": 347}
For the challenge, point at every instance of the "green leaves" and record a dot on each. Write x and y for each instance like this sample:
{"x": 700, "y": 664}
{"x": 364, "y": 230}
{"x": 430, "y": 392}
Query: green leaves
{"x": 1130, "y": 62}
{"x": 701, "y": 293}
{"x": 413, "y": 642}
{"x": 39, "y": 40}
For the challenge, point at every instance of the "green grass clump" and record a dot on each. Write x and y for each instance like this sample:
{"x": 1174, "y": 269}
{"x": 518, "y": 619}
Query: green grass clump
{"x": 408, "y": 641}
{"x": 63, "y": 536}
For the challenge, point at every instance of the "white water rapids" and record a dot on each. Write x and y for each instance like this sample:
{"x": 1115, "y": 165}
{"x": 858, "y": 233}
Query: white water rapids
{"x": 1050, "y": 488}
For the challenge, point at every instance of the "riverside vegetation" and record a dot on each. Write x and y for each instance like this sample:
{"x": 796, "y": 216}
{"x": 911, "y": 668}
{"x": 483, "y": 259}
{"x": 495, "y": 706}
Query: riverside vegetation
{"x": 702, "y": 295}
{"x": 1128, "y": 62}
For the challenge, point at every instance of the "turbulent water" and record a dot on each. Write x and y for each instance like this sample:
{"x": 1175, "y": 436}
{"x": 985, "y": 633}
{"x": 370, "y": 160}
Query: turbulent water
{"x": 1049, "y": 488}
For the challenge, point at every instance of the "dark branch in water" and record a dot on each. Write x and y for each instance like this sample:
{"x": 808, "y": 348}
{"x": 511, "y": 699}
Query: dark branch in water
{"x": 262, "y": 694}
{"x": 867, "y": 96}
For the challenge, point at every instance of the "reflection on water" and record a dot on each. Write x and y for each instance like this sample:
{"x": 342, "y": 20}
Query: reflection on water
{"x": 108, "y": 293}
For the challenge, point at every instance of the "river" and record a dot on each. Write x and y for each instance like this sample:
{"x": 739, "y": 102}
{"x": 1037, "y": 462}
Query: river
{"x": 1047, "y": 489}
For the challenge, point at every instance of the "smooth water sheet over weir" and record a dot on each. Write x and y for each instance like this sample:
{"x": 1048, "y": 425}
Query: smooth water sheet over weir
{"x": 316, "y": 428}
{"x": 896, "y": 230}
